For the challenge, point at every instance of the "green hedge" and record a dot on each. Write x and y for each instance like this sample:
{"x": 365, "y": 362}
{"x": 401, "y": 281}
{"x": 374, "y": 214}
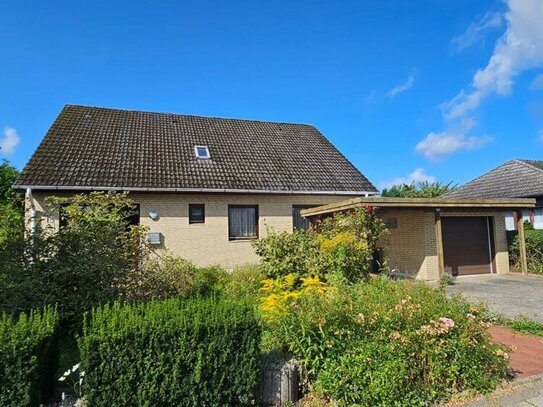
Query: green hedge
{"x": 28, "y": 358}
{"x": 176, "y": 352}
{"x": 534, "y": 248}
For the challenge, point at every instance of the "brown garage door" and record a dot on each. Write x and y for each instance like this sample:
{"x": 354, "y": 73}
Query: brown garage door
{"x": 466, "y": 245}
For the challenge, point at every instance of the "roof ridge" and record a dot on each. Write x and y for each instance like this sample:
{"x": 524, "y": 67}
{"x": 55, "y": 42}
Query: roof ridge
{"x": 528, "y": 163}
{"x": 69, "y": 105}
{"x": 452, "y": 192}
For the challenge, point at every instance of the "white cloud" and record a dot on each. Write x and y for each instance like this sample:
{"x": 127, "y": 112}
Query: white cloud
{"x": 520, "y": 48}
{"x": 476, "y": 31}
{"x": 541, "y": 135}
{"x": 9, "y": 141}
{"x": 537, "y": 83}
{"x": 437, "y": 146}
{"x": 402, "y": 87}
{"x": 418, "y": 175}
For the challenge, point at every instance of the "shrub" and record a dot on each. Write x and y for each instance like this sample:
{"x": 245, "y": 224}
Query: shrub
{"x": 347, "y": 242}
{"x": 202, "y": 351}
{"x": 534, "y": 248}
{"x": 243, "y": 282}
{"x": 389, "y": 343}
{"x": 342, "y": 245}
{"x": 284, "y": 253}
{"x": 82, "y": 265}
{"x": 28, "y": 358}
{"x": 165, "y": 276}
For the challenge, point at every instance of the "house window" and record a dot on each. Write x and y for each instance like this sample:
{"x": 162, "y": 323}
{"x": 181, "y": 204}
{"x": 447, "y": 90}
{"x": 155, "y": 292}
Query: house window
{"x": 299, "y": 222}
{"x": 242, "y": 222}
{"x": 538, "y": 218}
{"x": 509, "y": 221}
{"x": 197, "y": 213}
{"x": 202, "y": 152}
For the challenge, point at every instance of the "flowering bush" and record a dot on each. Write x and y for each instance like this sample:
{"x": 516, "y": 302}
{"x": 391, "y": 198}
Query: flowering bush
{"x": 347, "y": 241}
{"x": 389, "y": 343}
{"x": 279, "y": 295}
{"x": 342, "y": 246}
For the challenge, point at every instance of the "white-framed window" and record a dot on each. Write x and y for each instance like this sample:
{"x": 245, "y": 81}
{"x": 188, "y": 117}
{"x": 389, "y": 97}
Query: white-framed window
{"x": 202, "y": 152}
{"x": 509, "y": 221}
{"x": 538, "y": 218}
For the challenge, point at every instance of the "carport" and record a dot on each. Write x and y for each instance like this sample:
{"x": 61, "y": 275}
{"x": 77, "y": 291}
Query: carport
{"x": 431, "y": 237}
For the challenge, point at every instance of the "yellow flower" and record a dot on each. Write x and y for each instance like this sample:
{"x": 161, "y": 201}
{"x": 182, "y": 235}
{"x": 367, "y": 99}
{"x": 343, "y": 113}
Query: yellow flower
{"x": 290, "y": 280}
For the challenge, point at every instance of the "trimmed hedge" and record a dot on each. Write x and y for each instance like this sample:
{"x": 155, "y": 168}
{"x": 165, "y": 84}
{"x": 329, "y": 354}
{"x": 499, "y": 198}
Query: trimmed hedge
{"x": 534, "y": 248}
{"x": 176, "y": 352}
{"x": 28, "y": 358}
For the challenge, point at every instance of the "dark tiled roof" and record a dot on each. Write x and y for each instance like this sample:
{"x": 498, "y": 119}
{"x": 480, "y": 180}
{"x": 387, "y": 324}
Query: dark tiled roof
{"x": 514, "y": 179}
{"x": 109, "y": 148}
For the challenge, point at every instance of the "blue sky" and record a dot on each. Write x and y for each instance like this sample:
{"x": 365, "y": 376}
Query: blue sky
{"x": 407, "y": 90}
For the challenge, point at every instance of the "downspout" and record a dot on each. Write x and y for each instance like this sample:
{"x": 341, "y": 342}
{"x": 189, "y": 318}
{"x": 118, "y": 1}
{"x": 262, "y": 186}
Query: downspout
{"x": 32, "y": 213}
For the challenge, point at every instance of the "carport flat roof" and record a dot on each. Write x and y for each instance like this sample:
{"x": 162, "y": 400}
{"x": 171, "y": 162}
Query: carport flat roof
{"x": 383, "y": 202}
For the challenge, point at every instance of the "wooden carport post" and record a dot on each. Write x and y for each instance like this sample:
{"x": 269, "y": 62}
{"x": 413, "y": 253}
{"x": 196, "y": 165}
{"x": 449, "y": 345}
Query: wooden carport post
{"x": 522, "y": 243}
{"x": 439, "y": 243}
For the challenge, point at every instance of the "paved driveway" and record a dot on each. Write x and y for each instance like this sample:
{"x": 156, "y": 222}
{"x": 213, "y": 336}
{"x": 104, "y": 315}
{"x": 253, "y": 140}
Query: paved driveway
{"x": 509, "y": 294}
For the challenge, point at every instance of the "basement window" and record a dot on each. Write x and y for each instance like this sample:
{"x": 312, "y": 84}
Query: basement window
{"x": 202, "y": 152}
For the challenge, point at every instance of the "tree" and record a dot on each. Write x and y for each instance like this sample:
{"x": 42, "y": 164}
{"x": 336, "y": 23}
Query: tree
{"x": 421, "y": 190}
{"x": 84, "y": 264}
{"x": 8, "y": 175}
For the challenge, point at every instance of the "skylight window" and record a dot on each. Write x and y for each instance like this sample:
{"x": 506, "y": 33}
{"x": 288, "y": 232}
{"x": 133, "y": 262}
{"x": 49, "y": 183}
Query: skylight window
{"x": 201, "y": 152}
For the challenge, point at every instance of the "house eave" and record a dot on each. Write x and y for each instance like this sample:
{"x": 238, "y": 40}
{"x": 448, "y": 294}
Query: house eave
{"x": 192, "y": 190}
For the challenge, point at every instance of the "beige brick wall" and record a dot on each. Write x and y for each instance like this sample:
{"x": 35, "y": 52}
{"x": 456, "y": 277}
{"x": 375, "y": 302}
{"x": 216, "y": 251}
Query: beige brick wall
{"x": 410, "y": 248}
{"x": 405, "y": 246}
{"x": 208, "y": 243}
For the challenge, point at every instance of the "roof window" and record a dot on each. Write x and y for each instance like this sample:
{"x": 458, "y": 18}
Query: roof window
{"x": 201, "y": 152}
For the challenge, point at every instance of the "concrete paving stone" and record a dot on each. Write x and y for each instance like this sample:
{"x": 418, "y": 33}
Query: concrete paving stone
{"x": 536, "y": 401}
{"x": 509, "y": 294}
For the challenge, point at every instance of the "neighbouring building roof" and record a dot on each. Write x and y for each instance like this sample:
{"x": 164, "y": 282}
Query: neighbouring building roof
{"x": 514, "y": 179}
{"x": 99, "y": 148}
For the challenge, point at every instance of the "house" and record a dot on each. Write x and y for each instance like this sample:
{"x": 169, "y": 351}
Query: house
{"x": 203, "y": 186}
{"x": 514, "y": 179}
{"x": 432, "y": 237}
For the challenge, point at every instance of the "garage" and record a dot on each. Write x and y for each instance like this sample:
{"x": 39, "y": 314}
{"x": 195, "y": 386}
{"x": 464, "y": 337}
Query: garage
{"x": 468, "y": 245}
{"x": 428, "y": 238}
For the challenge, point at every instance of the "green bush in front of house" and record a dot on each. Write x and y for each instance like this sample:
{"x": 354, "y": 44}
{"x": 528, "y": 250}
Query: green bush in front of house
{"x": 28, "y": 357}
{"x": 534, "y": 248}
{"x": 200, "y": 351}
{"x": 383, "y": 342}
{"x": 341, "y": 246}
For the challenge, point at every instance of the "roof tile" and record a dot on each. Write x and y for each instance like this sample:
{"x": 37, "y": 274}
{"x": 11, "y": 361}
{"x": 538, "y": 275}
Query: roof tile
{"x": 100, "y": 147}
{"x": 513, "y": 179}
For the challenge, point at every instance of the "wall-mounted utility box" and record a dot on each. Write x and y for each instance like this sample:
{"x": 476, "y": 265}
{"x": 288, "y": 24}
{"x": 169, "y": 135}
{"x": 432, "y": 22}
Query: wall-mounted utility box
{"x": 155, "y": 238}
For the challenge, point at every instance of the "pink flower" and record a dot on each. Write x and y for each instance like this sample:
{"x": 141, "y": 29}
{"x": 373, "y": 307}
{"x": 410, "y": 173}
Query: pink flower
{"x": 449, "y": 323}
